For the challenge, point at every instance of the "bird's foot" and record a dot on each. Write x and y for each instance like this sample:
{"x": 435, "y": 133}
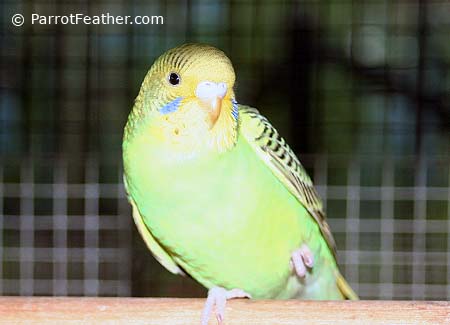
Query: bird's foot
{"x": 301, "y": 259}
{"x": 218, "y": 297}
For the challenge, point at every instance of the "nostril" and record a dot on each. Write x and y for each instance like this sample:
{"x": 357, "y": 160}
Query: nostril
{"x": 222, "y": 87}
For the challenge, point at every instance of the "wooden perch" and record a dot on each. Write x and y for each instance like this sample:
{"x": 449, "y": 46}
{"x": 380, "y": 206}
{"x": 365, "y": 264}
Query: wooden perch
{"x": 34, "y": 310}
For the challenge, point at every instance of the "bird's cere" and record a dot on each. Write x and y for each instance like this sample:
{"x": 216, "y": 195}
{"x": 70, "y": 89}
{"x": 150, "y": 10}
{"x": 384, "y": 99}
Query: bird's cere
{"x": 208, "y": 90}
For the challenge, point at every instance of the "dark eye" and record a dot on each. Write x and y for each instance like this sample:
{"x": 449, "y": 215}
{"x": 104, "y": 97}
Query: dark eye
{"x": 174, "y": 79}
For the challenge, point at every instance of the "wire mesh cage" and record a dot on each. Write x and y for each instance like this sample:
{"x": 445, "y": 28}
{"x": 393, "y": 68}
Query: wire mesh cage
{"x": 360, "y": 90}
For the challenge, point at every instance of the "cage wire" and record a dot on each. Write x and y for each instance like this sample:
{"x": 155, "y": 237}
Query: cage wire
{"x": 359, "y": 89}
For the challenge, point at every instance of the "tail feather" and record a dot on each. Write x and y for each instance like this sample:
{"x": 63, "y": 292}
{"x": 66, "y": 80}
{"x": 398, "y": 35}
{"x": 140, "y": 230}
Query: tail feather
{"x": 345, "y": 288}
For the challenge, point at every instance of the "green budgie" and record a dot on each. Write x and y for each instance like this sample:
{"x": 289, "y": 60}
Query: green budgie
{"x": 218, "y": 194}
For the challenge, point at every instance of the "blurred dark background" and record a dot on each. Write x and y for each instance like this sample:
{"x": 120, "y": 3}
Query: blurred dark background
{"x": 360, "y": 89}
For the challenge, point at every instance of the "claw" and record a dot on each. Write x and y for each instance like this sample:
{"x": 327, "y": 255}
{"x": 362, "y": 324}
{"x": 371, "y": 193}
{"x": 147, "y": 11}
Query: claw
{"x": 218, "y": 297}
{"x": 301, "y": 259}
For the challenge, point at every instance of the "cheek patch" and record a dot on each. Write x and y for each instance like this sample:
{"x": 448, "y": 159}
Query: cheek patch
{"x": 171, "y": 106}
{"x": 235, "y": 110}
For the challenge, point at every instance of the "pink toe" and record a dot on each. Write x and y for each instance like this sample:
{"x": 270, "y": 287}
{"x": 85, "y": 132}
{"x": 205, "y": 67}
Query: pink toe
{"x": 299, "y": 266}
{"x": 217, "y": 297}
{"x": 307, "y": 256}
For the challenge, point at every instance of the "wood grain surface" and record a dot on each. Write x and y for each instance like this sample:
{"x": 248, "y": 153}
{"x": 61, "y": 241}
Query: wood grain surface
{"x": 42, "y": 310}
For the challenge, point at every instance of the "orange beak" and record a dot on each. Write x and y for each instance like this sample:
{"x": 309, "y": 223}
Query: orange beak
{"x": 212, "y": 94}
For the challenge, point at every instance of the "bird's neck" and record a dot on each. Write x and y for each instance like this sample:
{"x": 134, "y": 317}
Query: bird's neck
{"x": 183, "y": 135}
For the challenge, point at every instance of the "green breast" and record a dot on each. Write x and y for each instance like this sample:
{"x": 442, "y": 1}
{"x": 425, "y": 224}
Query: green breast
{"x": 224, "y": 218}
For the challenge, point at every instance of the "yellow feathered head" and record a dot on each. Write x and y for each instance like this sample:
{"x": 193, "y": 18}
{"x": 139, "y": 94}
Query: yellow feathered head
{"x": 189, "y": 93}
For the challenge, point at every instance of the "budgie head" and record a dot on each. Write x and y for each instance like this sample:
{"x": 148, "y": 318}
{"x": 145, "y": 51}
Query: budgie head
{"x": 188, "y": 98}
